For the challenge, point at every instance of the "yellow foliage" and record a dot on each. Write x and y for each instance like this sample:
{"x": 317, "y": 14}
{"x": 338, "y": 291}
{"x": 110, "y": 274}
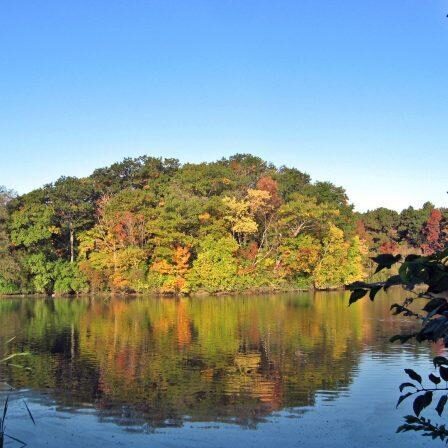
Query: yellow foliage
{"x": 341, "y": 261}
{"x": 258, "y": 199}
{"x": 204, "y": 217}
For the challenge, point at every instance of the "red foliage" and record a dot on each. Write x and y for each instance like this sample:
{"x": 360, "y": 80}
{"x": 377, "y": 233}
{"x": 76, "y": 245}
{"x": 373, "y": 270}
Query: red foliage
{"x": 432, "y": 233}
{"x": 266, "y": 183}
{"x": 389, "y": 247}
{"x": 129, "y": 228}
{"x": 361, "y": 229}
{"x": 250, "y": 252}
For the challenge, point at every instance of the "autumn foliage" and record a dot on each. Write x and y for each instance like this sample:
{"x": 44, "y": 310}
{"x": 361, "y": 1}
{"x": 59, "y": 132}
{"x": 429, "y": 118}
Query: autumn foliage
{"x": 154, "y": 225}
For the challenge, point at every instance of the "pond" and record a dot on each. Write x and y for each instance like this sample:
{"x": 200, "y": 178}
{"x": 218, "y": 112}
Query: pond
{"x": 300, "y": 370}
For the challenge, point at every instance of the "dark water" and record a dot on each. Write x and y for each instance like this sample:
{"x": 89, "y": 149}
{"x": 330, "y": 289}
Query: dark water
{"x": 300, "y": 370}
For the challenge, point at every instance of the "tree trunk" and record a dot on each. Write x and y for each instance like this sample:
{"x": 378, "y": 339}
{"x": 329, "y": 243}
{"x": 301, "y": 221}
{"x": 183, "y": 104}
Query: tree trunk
{"x": 72, "y": 244}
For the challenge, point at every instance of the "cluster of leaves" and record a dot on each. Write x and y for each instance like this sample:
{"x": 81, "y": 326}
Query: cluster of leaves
{"x": 151, "y": 224}
{"x": 424, "y": 397}
{"x": 426, "y": 279}
{"x": 424, "y": 425}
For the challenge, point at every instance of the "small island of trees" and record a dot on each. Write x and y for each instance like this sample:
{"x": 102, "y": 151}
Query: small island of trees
{"x": 239, "y": 224}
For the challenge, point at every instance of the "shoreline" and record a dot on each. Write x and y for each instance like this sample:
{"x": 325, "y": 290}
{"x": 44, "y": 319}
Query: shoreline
{"x": 155, "y": 294}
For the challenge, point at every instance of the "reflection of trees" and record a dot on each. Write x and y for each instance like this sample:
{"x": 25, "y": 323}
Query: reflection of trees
{"x": 221, "y": 358}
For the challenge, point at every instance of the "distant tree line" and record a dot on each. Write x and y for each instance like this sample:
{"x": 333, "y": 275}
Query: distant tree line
{"x": 421, "y": 231}
{"x": 152, "y": 224}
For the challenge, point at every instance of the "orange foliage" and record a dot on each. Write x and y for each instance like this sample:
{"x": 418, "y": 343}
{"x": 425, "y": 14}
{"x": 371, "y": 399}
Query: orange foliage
{"x": 389, "y": 247}
{"x": 249, "y": 252}
{"x": 266, "y": 183}
{"x": 175, "y": 271}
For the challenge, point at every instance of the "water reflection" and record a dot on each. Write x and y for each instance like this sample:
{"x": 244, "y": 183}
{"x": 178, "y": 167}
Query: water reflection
{"x": 164, "y": 361}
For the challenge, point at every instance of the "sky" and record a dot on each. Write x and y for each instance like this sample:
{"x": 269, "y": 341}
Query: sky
{"x": 354, "y": 92}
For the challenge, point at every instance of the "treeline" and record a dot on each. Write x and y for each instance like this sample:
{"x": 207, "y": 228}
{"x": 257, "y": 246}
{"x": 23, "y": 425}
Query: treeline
{"x": 418, "y": 231}
{"x": 152, "y": 224}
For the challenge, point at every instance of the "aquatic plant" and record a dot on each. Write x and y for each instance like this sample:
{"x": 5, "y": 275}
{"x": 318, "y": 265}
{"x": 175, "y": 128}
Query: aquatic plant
{"x": 7, "y": 360}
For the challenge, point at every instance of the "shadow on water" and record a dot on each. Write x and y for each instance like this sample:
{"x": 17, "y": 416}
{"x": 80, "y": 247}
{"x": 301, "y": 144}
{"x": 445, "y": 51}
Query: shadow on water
{"x": 163, "y": 362}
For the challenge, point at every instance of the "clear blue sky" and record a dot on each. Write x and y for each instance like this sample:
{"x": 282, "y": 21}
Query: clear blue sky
{"x": 352, "y": 91}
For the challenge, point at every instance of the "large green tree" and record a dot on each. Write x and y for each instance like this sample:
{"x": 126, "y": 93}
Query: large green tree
{"x": 73, "y": 202}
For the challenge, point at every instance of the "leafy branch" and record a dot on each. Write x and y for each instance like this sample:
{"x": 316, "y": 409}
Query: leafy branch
{"x": 425, "y": 278}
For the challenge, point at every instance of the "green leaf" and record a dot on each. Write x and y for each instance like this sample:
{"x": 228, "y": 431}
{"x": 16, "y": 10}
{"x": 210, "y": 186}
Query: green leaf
{"x": 374, "y": 291}
{"x": 421, "y": 402}
{"x": 444, "y": 373}
{"x": 356, "y": 295}
{"x": 403, "y": 397}
{"x": 411, "y": 419}
{"x": 393, "y": 281}
{"x": 441, "y": 404}
{"x": 385, "y": 261}
{"x": 357, "y": 285}
{"x": 434, "y": 379}
{"x": 404, "y": 385}
{"x": 412, "y": 257}
{"x": 439, "y": 361}
{"x": 402, "y": 337}
{"x": 434, "y": 304}
{"x": 413, "y": 375}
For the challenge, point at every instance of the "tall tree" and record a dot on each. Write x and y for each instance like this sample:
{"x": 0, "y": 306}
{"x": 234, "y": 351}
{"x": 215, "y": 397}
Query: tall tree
{"x": 303, "y": 213}
{"x": 73, "y": 201}
{"x": 432, "y": 233}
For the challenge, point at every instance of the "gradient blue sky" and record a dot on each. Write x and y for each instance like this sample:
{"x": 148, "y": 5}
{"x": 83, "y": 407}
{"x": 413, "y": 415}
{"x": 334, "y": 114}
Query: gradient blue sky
{"x": 352, "y": 91}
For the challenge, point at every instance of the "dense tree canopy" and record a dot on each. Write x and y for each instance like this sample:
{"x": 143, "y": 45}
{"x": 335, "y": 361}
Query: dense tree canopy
{"x": 153, "y": 224}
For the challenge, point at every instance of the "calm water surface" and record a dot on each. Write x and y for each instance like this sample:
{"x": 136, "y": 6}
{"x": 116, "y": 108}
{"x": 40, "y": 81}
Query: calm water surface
{"x": 297, "y": 370}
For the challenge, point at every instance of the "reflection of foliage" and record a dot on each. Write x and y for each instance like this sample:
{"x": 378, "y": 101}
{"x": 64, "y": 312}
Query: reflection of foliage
{"x": 425, "y": 278}
{"x": 227, "y": 358}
